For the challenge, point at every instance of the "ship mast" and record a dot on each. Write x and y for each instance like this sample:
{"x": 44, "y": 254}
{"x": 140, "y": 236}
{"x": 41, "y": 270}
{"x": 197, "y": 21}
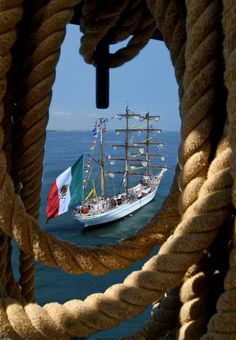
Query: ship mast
{"x": 126, "y": 174}
{"x": 101, "y": 161}
{"x": 147, "y": 145}
{"x": 102, "y": 172}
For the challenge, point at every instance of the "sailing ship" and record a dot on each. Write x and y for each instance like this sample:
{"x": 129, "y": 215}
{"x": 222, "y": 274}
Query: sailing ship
{"x": 103, "y": 208}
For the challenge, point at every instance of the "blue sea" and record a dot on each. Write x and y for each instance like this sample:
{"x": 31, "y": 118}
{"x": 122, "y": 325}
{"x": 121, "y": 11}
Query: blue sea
{"x": 62, "y": 149}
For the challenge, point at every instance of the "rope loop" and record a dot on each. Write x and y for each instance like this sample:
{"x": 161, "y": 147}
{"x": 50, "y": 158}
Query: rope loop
{"x": 202, "y": 197}
{"x": 99, "y": 22}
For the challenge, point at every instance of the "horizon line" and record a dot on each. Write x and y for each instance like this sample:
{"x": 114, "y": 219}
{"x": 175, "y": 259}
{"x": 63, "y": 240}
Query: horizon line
{"x": 65, "y": 130}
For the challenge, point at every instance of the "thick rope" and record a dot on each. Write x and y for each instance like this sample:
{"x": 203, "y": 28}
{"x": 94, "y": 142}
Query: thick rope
{"x": 129, "y": 21}
{"x": 212, "y": 204}
{"x": 204, "y": 286}
{"x": 136, "y": 43}
{"x": 98, "y": 260}
{"x": 106, "y": 24}
{"x": 31, "y": 111}
{"x": 199, "y": 97}
{"x": 6, "y": 277}
{"x": 3, "y": 259}
{"x": 95, "y": 28}
{"x": 164, "y": 318}
{"x": 10, "y": 15}
{"x": 222, "y": 324}
{"x": 31, "y": 114}
{"x": 196, "y": 128}
{"x": 137, "y": 251}
{"x": 70, "y": 257}
{"x": 194, "y": 313}
{"x": 202, "y": 49}
{"x": 165, "y": 315}
{"x": 27, "y": 262}
{"x": 12, "y": 287}
{"x": 108, "y": 258}
{"x": 170, "y": 18}
{"x": 99, "y": 311}
{"x": 229, "y": 24}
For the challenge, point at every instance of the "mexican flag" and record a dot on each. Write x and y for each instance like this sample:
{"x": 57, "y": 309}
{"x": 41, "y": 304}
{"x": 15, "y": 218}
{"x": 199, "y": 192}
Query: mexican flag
{"x": 67, "y": 190}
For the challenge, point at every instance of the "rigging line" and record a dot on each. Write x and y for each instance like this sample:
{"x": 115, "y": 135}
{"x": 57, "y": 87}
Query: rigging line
{"x": 120, "y": 185}
{"x": 94, "y": 189}
{"x": 143, "y": 141}
{"x": 88, "y": 178}
{"x": 131, "y": 139}
{"x": 91, "y": 168}
{"x": 89, "y": 175}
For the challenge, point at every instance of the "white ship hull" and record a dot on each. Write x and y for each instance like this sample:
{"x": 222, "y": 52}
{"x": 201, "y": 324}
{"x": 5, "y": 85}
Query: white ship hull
{"x": 117, "y": 212}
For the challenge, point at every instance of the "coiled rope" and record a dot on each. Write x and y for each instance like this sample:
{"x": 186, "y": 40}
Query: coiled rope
{"x": 222, "y": 324}
{"x": 33, "y": 126}
{"x": 98, "y": 20}
{"x": 198, "y": 104}
{"x": 202, "y": 62}
{"x": 170, "y": 16}
{"x": 202, "y": 213}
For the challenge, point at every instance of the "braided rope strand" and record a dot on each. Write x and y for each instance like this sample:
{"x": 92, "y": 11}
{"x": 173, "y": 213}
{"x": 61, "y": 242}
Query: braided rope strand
{"x": 136, "y": 43}
{"x": 10, "y": 15}
{"x": 230, "y": 76}
{"x": 171, "y": 22}
{"x": 3, "y": 260}
{"x": 7, "y": 278}
{"x": 193, "y": 313}
{"x": 95, "y": 30}
{"x": 222, "y": 324}
{"x": 116, "y": 27}
{"x": 203, "y": 36}
{"x": 31, "y": 114}
{"x": 196, "y": 126}
{"x": 129, "y": 21}
{"x": 164, "y": 318}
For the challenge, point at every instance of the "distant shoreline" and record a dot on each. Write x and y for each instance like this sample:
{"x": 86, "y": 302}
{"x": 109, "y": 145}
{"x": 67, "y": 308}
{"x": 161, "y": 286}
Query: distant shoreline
{"x": 59, "y": 130}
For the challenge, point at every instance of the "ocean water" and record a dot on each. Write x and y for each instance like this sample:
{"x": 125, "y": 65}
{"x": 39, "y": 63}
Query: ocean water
{"x": 61, "y": 151}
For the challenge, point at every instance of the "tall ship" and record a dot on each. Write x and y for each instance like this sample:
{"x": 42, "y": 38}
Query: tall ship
{"x": 136, "y": 160}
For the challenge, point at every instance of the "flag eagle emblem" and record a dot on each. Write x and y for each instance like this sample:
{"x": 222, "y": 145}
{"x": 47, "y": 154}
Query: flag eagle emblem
{"x": 63, "y": 191}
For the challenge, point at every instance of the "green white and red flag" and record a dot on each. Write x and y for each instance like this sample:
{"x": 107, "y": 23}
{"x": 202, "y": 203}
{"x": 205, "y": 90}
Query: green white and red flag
{"x": 67, "y": 190}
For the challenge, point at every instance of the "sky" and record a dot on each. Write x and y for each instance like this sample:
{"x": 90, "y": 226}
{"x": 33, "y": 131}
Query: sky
{"x": 145, "y": 83}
